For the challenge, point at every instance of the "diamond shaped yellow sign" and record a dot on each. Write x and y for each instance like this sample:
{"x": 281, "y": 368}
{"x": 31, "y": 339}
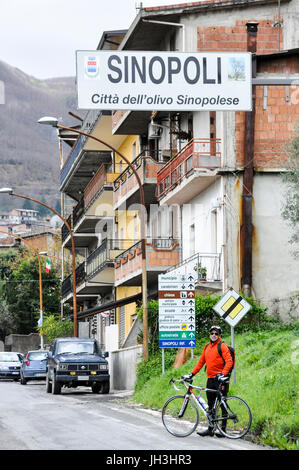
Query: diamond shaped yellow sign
{"x": 232, "y": 307}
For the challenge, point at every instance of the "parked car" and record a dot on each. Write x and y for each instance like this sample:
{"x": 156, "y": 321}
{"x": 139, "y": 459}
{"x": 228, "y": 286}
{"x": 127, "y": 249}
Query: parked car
{"x": 77, "y": 361}
{"x": 34, "y": 366}
{"x": 10, "y": 365}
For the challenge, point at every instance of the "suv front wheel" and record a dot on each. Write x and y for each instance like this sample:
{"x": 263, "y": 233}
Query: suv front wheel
{"x": 105, "y": 387}
{"x": 48, "y": 384}
{"x": 56, "y": 386}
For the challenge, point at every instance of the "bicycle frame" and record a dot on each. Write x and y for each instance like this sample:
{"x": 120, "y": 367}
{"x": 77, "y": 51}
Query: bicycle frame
{"x": 191, "y": 394}
{"x": 224, "y": 414}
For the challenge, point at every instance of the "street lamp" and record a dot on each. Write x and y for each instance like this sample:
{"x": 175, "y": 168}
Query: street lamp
{"x": 11, "y": 193}
{"x": 51, "y": 121}
{"x": 41, "y": 318}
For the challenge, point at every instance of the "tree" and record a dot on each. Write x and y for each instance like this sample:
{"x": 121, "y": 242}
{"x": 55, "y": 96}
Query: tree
{"x": 54, "y": 327}
{"x": 290, "y": 211}
{"x": 7, "y": 320}
{"x": 21, "y": 292}
{"x": 28, "y": 204}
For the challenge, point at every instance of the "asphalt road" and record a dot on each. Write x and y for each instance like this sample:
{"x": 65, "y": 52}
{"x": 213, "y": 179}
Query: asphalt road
{"x": 31, "y": 419}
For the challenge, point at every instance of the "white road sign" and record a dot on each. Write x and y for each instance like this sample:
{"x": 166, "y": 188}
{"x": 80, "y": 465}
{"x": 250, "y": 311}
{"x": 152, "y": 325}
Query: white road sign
{"x": 147, "y": 80}
{"x": 232, "y": 307}
{"x": 176, "y": 311}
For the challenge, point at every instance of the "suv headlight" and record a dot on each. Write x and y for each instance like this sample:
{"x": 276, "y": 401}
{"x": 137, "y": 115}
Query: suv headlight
{"x": 62, "y": 366}
{"x": 103, "y": 366}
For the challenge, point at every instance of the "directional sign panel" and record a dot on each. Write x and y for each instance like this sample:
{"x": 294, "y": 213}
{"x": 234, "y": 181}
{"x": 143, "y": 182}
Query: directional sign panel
{"x": 176, "y": 311}
{"x": 176, "y": 335}
{"x": 177, "y": 343}
{"x": 232, "y": 307}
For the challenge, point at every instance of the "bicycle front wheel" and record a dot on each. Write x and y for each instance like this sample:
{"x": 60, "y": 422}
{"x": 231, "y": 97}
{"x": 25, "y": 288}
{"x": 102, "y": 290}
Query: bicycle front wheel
{"x": 233, "y": 417}
{"x": 180, "y": 416}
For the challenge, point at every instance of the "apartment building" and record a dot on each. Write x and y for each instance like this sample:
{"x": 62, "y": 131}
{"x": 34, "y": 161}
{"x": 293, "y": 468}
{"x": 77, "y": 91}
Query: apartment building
{"x": 222, "y": 184}
{"x": 211, "y": 179}
{"x": 105, "y": 223}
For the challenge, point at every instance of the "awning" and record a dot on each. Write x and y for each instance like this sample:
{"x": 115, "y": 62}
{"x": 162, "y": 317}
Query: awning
{"x": 109, "y": 306}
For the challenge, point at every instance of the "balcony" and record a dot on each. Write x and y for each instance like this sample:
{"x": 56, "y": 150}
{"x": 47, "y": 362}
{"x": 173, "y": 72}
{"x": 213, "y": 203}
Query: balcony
{"x": 97, "y": 202}
{"x": 161, "y": 254}
{"x": 206, "y": 268}
{"x": 126, "y": 188}
{"x": 86, "y": 155}
{"x": 103, "y": 257}
{"x": 96, "y": 275}
{"x": 67, "y": 283}
{"x": 191, "y": 171}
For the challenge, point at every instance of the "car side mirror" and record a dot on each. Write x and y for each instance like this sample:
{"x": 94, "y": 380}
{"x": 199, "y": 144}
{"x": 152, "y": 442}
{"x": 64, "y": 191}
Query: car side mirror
{"x": 49, "y": 355}
{"x": 106, "y": 354}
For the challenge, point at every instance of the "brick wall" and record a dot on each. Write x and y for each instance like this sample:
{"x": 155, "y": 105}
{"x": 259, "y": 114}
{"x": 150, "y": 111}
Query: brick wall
{"x": 234, "y": 38}
{"x": 274, "y": 125}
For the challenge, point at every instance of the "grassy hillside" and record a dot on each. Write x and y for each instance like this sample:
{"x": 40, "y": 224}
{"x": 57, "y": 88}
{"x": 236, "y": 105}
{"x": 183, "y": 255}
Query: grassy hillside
{"x": 266, "y": 377}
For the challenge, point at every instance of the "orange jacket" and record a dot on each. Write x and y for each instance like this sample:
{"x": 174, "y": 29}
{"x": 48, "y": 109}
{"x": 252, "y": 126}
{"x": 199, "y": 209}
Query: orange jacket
{"x": 211, "y": 357}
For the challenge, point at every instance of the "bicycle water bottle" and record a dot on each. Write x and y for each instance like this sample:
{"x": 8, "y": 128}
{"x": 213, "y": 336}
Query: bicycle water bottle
{"x": 202, "y": 402}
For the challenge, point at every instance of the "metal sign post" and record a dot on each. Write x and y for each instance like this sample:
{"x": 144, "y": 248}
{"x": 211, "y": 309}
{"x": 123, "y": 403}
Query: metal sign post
{"x": 232, "y": 339}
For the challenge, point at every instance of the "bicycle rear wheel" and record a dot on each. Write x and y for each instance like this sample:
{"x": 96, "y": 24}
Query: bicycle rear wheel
{"x": 233, "y": 417}
{"x": 180, "y": 417}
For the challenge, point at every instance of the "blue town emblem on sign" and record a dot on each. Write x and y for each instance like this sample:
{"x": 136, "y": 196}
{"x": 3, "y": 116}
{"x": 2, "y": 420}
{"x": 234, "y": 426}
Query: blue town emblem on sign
{"x": 91, "y": 66}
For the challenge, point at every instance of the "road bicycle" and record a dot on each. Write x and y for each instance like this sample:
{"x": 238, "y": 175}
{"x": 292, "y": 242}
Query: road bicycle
{"x": 231, "y": 415}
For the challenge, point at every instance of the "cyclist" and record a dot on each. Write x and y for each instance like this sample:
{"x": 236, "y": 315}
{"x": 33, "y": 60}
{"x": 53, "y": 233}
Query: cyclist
{"x": 218, "y": 370}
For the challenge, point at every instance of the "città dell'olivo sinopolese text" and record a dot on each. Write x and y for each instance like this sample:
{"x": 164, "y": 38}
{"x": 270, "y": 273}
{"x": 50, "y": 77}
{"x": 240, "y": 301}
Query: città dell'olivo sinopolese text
{"x": 157, "y": 99}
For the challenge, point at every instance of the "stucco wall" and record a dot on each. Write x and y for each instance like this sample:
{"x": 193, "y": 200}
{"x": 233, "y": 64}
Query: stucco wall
{"x": 22, "y": 343}
{"x": 122, "y": 366}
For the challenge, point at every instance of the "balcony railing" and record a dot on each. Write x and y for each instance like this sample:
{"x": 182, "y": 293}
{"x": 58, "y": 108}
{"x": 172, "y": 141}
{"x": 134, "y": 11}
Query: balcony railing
{"x": 64, "y": 230}
{"x": 67, "y": 284}
{"x": 104, "y": 176}
{"x": 87, "y": 126}
{"x": 203, "y": 266}
{"x": 198, "y": 153}
{"x": 156, "y": 244}
{"x": 106, "y": 252}
{"x": 136, "y": 163}
{"x": 129, "y": 252}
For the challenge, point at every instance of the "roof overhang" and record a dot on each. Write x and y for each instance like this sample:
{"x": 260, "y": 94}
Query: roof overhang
{"x": 143, "y": 35}
{"x": 109, "y": 306}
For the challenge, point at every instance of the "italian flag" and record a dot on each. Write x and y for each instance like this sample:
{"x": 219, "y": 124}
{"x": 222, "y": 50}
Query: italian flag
{"x": 48, "y": 265}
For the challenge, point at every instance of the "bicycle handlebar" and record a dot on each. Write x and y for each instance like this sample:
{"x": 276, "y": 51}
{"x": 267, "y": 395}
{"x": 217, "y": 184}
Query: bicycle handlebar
{"x": 188, "y": 383}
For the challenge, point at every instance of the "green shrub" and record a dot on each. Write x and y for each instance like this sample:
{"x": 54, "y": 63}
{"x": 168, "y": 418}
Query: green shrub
{"x": 53, "y": 327}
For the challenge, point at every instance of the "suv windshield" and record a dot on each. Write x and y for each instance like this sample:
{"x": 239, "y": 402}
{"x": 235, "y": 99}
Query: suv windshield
{"x": 9, "y": 357}
{"x": 76, "y": 347}
{"x": 37, "y": 356}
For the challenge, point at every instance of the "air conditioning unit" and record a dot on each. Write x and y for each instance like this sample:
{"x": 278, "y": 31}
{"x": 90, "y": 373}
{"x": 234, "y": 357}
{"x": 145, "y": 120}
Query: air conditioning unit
{"x": 153, "y": 131}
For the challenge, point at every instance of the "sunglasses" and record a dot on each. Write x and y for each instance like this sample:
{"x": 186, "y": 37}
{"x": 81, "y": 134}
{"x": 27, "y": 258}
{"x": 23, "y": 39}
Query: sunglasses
{"x": 214, "y": 333}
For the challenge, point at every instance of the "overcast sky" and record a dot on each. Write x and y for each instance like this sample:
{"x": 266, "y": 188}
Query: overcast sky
{"x": 40, "y": 37}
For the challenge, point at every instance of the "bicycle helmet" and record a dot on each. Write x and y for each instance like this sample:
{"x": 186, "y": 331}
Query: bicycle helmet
{"x": 216, "y": 328}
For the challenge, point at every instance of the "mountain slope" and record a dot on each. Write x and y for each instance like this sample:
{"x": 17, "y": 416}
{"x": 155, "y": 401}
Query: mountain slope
{"x": 29, "y": 156}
